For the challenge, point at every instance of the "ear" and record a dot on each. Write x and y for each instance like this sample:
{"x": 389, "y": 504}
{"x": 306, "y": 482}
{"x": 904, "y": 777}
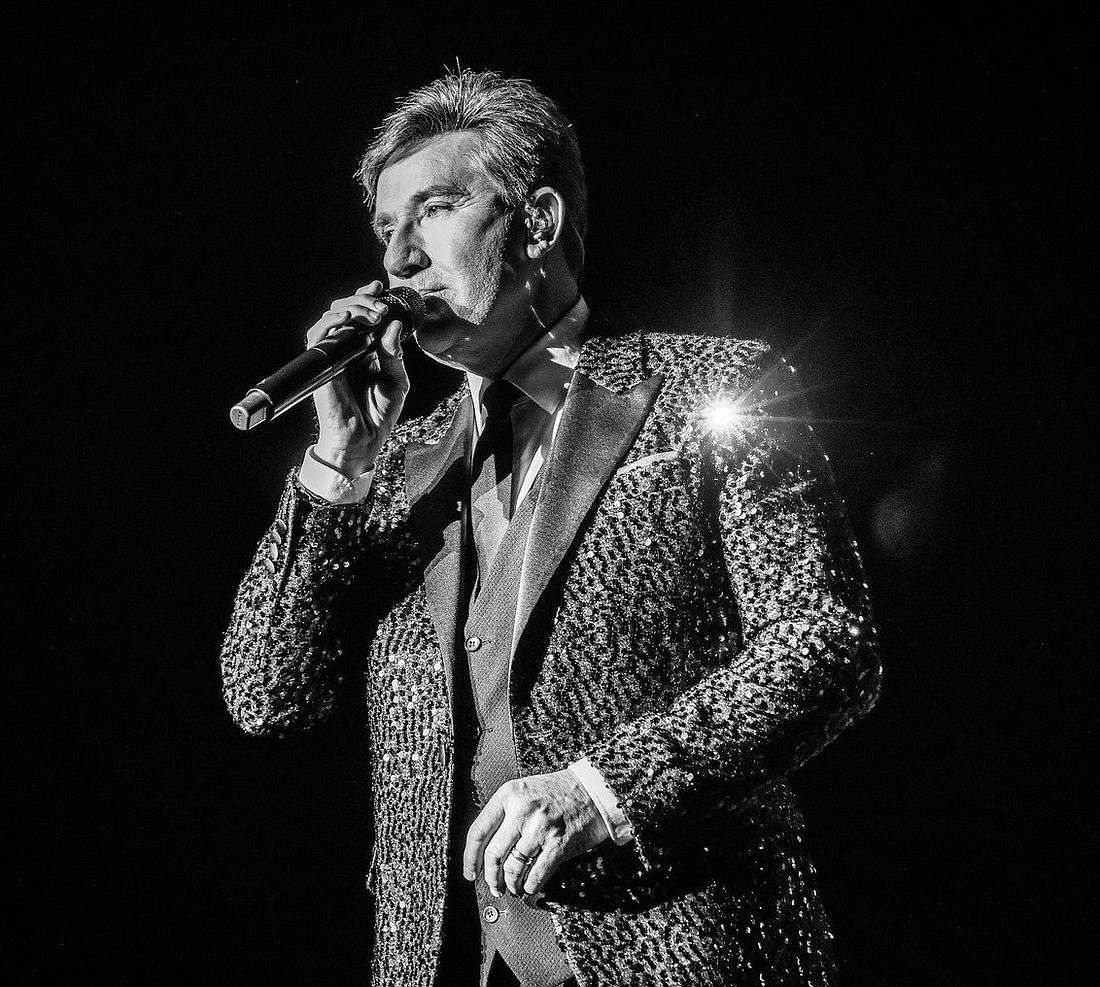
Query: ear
{"x": 544, "y": 220}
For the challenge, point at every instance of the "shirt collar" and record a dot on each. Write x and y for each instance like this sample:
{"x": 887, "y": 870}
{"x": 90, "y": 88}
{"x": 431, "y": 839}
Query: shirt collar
{"x": 543, "y": 370}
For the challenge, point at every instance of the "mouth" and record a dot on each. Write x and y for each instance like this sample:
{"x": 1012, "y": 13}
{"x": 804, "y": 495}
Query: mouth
{"x": 434, "y": 305}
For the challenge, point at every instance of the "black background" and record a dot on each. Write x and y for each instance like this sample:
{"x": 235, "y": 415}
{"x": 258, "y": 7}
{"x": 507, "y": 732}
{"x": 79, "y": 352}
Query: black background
{"x": 903, "y": 202}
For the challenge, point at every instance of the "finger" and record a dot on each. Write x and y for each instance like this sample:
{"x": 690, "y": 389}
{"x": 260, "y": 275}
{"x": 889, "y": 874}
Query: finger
{"x": 544, "y": 866}
{"x": 374, "y": 312}
{"x": 374, "y": 288}
{"x": 391, "y": 379}
{"x": 389, "y": 386}
{"x": 522, "y": 857}
{"x": 481, "y": 829}
{"x": 324, "y": 325}
{"x": 359, "y": 298}
{"x": 391, "y": 341}
{"x": 497, "y": 853}
{"x": 332, "y": 323}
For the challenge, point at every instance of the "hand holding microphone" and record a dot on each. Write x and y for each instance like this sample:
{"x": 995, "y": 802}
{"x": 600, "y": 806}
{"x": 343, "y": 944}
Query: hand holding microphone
{"x": 357, "y": 410}
{"x": 357, "y": 378}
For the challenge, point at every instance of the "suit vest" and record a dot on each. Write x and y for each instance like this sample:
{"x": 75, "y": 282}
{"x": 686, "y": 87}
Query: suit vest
{"x": 486, "y": 758}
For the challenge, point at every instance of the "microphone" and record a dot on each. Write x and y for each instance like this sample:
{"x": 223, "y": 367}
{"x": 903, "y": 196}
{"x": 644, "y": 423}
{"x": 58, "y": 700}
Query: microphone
{"x": 323, "y": 361}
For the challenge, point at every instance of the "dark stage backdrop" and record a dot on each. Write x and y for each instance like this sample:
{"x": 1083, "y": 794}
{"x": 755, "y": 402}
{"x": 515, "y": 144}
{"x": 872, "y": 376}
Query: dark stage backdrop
{"x": 903, "y": 203}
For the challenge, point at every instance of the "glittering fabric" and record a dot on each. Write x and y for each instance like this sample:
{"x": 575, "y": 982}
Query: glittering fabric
{"x": 706, "y": 633}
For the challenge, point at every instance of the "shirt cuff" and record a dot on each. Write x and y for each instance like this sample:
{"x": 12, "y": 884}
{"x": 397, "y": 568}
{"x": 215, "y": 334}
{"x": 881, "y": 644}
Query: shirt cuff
{"x": 618, "y": 827}
{"x": 326, "y": 481}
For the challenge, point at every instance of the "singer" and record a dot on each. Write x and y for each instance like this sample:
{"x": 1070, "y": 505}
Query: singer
{"x": 606, "y": 596}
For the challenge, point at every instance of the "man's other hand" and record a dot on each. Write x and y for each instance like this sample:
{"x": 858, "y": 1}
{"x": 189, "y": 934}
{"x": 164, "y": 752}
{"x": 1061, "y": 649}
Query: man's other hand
{"x": 529, "y": 828}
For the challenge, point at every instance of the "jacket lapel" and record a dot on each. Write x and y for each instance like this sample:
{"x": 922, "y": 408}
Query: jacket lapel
{"x": 597, "y": 428}
{"x": 436, "y": 481}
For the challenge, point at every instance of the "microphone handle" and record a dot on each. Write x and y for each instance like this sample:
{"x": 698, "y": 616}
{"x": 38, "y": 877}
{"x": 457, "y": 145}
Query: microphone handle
{"x": 293, "y": 383}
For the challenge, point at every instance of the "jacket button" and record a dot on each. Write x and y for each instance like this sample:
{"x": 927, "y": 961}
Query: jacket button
{"x": 491, "y": 914}
{"x": 473, "y": 643}
{"x": 269, "y": 565}
{"x": 273, "y": 551}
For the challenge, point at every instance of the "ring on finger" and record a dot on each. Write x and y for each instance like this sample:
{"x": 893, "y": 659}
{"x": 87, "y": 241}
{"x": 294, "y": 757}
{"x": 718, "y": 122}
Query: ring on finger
{"x": 523, "y": 858}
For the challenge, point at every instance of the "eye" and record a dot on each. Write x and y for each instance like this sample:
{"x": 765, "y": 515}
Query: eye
{"x": 435, "y": 208}
{"x": 384, "y": 236}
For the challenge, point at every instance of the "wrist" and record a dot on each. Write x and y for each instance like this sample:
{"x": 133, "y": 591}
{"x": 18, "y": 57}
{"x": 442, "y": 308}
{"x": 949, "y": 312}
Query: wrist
{"x": 352, "y": 463}
{"x": 612, "y": 819}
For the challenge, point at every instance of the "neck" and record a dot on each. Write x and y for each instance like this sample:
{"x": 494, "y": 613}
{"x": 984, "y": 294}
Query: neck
{"x": 546, "y": 299}
{"x": 549, "y": 296}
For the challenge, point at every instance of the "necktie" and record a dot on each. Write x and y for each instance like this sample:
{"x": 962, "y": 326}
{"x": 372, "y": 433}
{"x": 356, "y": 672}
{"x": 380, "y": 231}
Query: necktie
{"x": 491, "y": 474}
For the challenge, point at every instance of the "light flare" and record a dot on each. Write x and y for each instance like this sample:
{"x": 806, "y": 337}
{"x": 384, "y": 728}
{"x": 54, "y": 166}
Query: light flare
{"x": 723, "y": 415}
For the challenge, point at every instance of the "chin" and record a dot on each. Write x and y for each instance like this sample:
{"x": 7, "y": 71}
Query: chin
{"x": 440, "y": 334}
{"x": 447, "y": 336}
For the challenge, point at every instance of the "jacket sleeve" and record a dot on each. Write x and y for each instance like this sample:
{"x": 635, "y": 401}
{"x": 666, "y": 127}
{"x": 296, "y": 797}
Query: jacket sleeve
{"x": 280, "y": 658}
{"x": 805, "y": 663}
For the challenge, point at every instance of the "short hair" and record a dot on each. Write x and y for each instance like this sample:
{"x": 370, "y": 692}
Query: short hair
{"x": 525, "y": 142}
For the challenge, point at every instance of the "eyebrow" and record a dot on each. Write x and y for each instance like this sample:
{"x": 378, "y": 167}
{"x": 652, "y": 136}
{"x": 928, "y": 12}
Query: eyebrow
{"x": 419, "y": 198}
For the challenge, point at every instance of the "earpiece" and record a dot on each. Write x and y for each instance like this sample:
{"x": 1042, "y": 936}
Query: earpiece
{"x": 542, "y": 214}
{"x": 537, "y": 222}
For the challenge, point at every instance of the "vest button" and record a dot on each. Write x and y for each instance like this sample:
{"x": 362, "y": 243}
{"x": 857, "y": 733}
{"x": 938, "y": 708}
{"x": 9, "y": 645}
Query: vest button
{"x": 473, "y": 643}
{"x": 491, "y": 914}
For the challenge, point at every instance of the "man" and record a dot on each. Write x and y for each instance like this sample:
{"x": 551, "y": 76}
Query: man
{"x": 606, "y": 596}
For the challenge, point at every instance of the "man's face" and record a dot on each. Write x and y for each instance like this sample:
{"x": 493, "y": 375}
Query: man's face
{"x": 448, "y": 236}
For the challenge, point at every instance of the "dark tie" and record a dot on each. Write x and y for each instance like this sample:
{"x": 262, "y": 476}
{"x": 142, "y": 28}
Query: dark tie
{"x": 491, "y": 474}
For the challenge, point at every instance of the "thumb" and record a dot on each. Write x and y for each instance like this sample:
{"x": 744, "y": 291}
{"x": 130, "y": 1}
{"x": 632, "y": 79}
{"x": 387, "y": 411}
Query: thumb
{"x": 390, "y": 344}
{"x": 392, "y": 383}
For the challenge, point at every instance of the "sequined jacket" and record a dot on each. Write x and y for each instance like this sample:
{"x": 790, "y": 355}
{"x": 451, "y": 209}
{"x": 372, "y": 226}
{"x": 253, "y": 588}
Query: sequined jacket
{"x": 692, "y": 618}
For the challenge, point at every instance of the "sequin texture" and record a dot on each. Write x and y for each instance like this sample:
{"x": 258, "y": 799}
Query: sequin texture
{"x": 708, "y": 633}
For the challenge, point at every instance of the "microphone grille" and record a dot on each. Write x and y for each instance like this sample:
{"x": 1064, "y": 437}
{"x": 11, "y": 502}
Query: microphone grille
{"x": 410, "y": 303}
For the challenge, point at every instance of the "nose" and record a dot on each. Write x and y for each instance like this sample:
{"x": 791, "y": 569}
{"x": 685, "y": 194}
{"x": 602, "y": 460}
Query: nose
{"x": 405, "y": 254}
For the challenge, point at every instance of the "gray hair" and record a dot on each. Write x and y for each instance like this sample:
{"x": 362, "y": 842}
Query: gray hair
{"x": 525, "y": 142}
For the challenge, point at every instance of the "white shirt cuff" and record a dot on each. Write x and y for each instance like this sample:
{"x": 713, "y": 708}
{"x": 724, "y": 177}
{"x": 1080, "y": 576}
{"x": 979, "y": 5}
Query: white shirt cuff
{"x": 618, "y": 828}
{"x": 327, "y": 482}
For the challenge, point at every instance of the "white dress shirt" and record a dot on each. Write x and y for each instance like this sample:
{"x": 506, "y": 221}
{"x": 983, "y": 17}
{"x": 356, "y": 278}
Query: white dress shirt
{"x": 542, "y": 373}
